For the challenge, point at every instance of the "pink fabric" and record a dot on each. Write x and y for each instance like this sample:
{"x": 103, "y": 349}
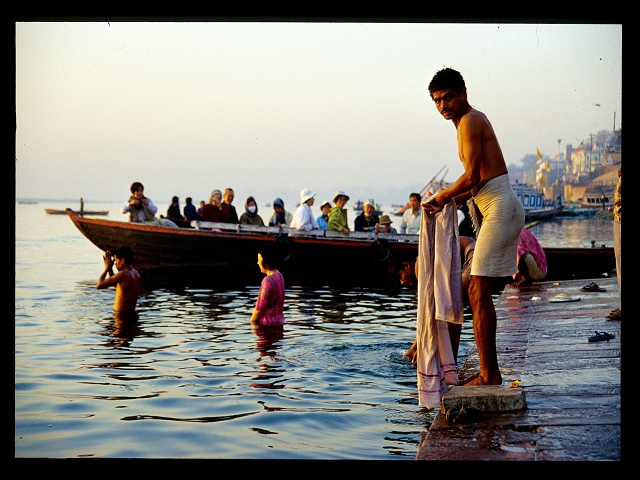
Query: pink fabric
{"x": 271, "y": 300}
{"x": 527, "y": 243}
{"x": 439, "y": 302}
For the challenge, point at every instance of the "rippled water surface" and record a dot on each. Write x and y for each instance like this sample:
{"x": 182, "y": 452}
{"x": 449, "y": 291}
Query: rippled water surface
{"x": 191, "y": 378}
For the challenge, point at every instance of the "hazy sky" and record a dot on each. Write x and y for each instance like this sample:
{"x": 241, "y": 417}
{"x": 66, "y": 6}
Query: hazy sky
{"x": 271, "y": 108}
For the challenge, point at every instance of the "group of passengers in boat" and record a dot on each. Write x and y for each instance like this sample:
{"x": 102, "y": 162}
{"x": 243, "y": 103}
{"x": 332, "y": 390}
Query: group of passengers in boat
{"x": 220, "y": 209}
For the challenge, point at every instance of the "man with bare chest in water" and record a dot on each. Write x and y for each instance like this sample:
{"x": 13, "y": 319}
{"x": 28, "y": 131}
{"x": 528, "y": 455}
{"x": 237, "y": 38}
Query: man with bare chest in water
{"x": 126, "y": 281}
{"x": 499, "y": 216}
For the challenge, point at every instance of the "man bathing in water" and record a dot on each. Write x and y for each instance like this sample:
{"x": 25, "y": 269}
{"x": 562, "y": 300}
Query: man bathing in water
{"x": 126, "y": 281}
{"x": 497, "y": 211}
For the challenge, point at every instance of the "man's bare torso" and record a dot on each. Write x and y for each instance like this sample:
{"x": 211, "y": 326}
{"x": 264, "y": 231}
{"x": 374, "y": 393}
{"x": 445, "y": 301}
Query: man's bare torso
{"x": 492, "y": 162}
{"x": 127, "y": 291}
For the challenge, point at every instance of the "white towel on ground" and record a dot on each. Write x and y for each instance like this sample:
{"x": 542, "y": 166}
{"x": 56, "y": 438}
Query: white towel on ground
{"x": 439, "y": 302}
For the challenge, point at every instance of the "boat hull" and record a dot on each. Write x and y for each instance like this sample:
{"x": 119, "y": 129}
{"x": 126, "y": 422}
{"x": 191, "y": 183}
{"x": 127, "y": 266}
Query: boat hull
{"x": 307, "y": 259}
{"x": 542, "y": 214}
{"x": 190, "y": 251}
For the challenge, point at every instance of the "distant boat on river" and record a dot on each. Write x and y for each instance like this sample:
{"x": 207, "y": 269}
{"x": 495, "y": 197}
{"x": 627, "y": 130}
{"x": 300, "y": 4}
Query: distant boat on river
{"x": 81, "y": 212}
{"x": 358, "y": 207}
{"x": 534, "y": 205}
{"x": 52, "y": 211}
{"x": 597, "y": 197}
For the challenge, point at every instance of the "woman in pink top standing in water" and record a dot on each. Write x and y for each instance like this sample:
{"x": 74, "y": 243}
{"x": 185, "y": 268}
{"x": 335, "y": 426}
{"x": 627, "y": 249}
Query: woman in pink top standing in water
{"x": 269, "y": 308}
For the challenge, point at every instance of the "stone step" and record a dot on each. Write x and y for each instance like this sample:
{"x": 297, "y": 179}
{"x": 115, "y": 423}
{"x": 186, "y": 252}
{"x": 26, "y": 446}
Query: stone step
{"x": 486, "y": 398}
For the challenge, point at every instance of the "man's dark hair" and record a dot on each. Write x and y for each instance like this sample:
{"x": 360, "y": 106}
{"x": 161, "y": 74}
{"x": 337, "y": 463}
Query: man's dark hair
{"x": 188, "y": 200}
{"x": 415, "y": 195}
{"x": 135, "y": 186}
{"x": 446, "y": 78}
{"x": 124, "y": 252}
{"x": 396, "y": 263}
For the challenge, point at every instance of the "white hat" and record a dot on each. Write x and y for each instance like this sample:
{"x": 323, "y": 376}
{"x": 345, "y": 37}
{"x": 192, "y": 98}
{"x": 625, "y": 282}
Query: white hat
{"x": 339, "y": 193}
{"x": 326, "y": 202}
{"x": 306, "y": 194}
{"x": 369, "y": 202}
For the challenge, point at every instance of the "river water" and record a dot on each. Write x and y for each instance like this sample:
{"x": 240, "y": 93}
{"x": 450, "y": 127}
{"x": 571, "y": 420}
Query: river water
{"x": 191, "y": 378}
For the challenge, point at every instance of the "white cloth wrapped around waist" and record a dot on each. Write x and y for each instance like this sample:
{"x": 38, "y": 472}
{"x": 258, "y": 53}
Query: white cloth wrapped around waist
{"x": 497, "y": 230}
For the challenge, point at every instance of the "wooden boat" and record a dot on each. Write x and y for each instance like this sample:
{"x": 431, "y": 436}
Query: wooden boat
{"x": 542, "y": 213}
{"x": 597, "y": 197}
{"x": 319, "y": 257}
{"x": 534, "y": 205}
{"x": 52, "y": 211}
{"x": 81, "y": 212}
{"x": 230, "y": 250}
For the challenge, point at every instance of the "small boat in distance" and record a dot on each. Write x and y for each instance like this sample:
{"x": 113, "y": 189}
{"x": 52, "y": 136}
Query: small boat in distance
{"x": 597, "y": 197}
{"x": 534, "y": 205}
{"x": 52, "y": 211}
{"x": 81, "y": 212}
{"x": 358, "y": 207}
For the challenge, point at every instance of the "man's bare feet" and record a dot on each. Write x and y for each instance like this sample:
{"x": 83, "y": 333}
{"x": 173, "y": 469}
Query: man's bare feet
{"x": 477, "y": 379}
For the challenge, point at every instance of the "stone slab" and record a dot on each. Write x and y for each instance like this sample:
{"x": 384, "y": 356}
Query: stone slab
{"x": 486, "y": 398}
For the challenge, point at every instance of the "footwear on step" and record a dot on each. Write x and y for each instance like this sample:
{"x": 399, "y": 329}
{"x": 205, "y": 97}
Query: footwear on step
{"x": 600, "y": 336}
{"x": 563, "y": 297}
{"x": 592, "y": 287}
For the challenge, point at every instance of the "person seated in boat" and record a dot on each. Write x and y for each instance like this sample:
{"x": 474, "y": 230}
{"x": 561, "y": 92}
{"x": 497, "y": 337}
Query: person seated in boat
{"x": 367, "y": 221}
{"x": 303, "y": 219}
{"x": 142, "y": 210}
{"x": 228, "y": 200}
{"x": 190, "y": 210}
{"x": 269, "y": 309}
{"x": 250, "y": 215}
{"x": 174, "y": 209}
{"x": 410, "y": 222}
{"x": 323, "y": 219}
{"x": 215, "y": 211}
{"x": 126, "y": 281}
{"x": 202, "y": 204}
{"x": 338, "y": 215}
{"x": 385, "y": 225}
{"x": 280, "y": 217}
{"x": 404, "y": 269}
{"x": 532, "y": 261}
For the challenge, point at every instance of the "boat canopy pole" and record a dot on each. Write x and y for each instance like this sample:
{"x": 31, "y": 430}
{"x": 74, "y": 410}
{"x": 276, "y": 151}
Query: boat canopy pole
{"x": 423, "y": 190}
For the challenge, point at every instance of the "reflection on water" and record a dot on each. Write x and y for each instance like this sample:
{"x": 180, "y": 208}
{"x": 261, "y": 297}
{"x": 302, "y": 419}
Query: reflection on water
{"x": 191, "y": 370}
{"x": 572, "y": 232}
{"x": 191, "y": 373}
{"x": 124, "y": 328}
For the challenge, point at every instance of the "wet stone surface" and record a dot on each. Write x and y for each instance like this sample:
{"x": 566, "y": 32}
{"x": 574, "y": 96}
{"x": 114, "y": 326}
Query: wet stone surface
{"x": 571, "y": 386}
